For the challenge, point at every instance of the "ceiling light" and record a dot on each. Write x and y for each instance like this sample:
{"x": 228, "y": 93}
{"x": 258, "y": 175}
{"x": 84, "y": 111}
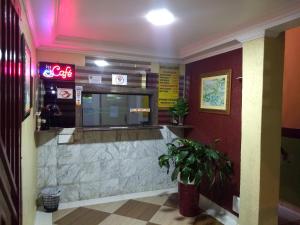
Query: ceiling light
{"x": 160, "y": 17}
{"x": 101, "y": 63}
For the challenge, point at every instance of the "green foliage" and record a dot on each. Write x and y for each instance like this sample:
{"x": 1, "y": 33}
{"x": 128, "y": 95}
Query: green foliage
{"x": 196, "y": 162}
{"x": 180, "y": 109}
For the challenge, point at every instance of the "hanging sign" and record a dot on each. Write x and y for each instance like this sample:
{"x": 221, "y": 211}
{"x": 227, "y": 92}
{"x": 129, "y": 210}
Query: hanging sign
{"x": 119, "y": 79}
{"x": 57, "y": 71}
{"x": 168, "y": 87}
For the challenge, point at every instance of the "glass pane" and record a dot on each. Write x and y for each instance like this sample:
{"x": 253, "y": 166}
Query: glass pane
{"x": 138, "y": 102}
{"x": 115, "y": 109}
{"x": 91, "y": 110}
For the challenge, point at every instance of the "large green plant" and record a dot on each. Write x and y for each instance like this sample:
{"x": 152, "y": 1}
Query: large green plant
{"x": 196, "y": 162}
{"x": 180, "y": 109}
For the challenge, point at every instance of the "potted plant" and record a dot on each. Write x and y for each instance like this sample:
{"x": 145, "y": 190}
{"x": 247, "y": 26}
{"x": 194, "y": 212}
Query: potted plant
{"x": 192, "y": 164}
{"x": 179, "y": 110}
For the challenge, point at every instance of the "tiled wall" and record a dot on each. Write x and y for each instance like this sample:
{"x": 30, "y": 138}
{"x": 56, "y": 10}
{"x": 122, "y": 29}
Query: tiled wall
{"x": 103, "y": 163}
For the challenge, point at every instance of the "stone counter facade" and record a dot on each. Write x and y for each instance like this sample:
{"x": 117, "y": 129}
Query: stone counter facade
{"x": 103, "y": 163}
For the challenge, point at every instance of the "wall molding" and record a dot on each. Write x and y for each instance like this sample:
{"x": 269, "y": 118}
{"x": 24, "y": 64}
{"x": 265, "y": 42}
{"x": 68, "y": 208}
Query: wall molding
{"x": 116, "y": 198}
{"x": 221, "y": 214}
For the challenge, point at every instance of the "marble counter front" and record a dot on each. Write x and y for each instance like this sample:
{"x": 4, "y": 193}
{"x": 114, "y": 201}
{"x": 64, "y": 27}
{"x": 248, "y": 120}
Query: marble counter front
{"x": 103, "y": 163}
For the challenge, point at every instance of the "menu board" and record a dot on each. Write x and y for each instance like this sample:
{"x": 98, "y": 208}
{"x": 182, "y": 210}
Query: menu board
{"x": 168, "y": 86}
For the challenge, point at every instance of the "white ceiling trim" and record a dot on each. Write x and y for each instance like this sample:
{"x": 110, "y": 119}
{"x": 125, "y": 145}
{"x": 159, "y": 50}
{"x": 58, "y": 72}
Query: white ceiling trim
{"x": 243, "y": 35}
{"x": 31, "y": 22}
{"x": 109, "y": 54}
{"x": 108, "y": 47}
{"x": 187, "y": 54}
{"x": 211, "y": 53}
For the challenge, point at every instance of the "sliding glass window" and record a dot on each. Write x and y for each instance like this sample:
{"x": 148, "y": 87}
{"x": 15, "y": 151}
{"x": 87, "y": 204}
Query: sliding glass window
{"x": 115, "y": 109}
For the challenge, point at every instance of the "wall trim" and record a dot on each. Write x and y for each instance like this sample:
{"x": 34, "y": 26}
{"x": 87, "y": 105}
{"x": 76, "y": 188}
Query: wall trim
{"x": 213, "y": 209}
{"x": 116, "y": 198}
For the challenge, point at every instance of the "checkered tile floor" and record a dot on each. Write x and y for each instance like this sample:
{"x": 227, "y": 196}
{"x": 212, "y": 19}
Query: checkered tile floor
{"x": 160, "y": 210}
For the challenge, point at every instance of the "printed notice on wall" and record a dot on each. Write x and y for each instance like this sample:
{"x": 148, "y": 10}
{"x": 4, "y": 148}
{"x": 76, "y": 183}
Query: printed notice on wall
{"x": 64, "y": 93}
{"x": 119, "y": 79}
{"x": 95, "y": 79}
{"x": 78, "y": 90}
{"x": 168, "y": 87}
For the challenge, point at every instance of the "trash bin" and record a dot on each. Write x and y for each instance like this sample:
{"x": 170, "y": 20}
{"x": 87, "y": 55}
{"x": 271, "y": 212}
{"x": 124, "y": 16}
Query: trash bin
{"x": 50, "y": 198}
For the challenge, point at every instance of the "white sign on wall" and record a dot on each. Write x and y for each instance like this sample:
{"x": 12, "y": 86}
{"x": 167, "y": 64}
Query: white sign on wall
{"x": 78, "y": 94}
{"x": 95, "y": 79}
{"x": 119, "y": 79}
{"x": 64, "y": 93}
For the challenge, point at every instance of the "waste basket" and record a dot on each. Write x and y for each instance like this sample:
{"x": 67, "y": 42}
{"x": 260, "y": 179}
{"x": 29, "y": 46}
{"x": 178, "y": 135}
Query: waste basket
{"x": 50, "y": 198}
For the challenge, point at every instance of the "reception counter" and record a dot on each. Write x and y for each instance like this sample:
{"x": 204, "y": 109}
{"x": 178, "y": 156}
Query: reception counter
{"x": 95, "y": 163}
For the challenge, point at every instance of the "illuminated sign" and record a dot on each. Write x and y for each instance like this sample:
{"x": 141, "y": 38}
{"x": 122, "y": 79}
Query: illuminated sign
{"x": 139, "y": 109}
{"x": 57, "y": 71}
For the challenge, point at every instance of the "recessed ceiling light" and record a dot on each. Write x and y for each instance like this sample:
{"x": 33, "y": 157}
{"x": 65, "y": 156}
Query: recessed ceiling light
{"x": 160, "y": 17}
{"x": 101, "y": 63}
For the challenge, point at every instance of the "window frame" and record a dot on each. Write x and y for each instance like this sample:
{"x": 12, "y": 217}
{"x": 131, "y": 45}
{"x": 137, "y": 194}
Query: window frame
{"x": 98, "y": 89}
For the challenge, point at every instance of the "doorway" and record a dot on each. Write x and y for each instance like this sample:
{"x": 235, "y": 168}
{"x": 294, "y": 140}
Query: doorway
{"x": 11, "y": 70}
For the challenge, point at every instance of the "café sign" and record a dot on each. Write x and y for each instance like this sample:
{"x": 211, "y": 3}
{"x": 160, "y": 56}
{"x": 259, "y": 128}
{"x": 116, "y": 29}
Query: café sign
{"x": 57, "y": 71}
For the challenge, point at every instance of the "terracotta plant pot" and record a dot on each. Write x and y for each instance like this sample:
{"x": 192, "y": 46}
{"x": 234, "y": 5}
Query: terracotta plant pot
{"x": 188, "y": 200}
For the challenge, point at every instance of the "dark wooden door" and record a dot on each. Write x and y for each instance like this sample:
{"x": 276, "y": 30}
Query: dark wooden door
{"x": 11, "y": 73}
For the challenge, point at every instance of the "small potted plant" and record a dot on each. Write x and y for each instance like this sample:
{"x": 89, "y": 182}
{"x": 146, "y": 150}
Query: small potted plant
{"x": 179, "y": 110}
{"x": 194, "y": 163}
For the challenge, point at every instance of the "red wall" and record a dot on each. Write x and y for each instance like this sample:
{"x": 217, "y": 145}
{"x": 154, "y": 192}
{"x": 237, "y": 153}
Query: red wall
{"x": 291, "y": 80}
{"x": 209, "y": 126}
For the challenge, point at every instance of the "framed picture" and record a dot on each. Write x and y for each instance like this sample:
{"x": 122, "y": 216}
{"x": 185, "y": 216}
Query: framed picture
{"x": 215, "y": 91}
{"x": 27, "y": 78}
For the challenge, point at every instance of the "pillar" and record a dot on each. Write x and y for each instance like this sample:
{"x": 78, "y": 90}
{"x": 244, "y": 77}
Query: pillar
{"x": 261, "y": 130}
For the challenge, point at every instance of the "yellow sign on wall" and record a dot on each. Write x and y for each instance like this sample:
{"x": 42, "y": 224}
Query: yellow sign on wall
{"x": 168, "y": 86}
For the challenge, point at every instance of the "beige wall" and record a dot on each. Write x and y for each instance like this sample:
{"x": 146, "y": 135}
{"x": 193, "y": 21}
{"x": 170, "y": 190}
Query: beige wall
{"x": 29, "y": 153}
{"x": 261, "y": 130}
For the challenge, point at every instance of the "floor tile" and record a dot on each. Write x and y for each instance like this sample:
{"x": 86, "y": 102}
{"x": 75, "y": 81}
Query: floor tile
{"x": 206, "y": 220}
{"x": 61, "y": 213}
{"x": 172, "y": 201}
{"x": 138, "y": 210}
{"x": 121, "y": 220}
{"x": 83, "y": 216}
{"x": 157, "y": 200}
{"x": 170, "y": 216}
{"x": 107, "y": 207}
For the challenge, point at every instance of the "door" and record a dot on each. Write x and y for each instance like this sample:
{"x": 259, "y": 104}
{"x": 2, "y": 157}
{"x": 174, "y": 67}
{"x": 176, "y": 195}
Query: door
{"x": 11, "y": 70}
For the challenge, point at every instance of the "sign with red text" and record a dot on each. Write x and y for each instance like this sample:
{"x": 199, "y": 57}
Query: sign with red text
{"x": 57, "y": 71}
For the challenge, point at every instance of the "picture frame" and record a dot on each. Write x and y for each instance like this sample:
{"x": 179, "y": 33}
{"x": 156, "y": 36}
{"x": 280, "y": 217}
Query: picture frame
{"x": 215, "y": 92}
{"x": 27, "y": 78}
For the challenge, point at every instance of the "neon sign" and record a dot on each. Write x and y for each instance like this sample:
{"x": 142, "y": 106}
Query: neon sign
{"x": 57, "y": 71}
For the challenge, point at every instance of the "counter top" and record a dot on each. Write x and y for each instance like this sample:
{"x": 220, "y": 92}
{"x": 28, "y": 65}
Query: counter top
{"x": 84, "y": 129}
